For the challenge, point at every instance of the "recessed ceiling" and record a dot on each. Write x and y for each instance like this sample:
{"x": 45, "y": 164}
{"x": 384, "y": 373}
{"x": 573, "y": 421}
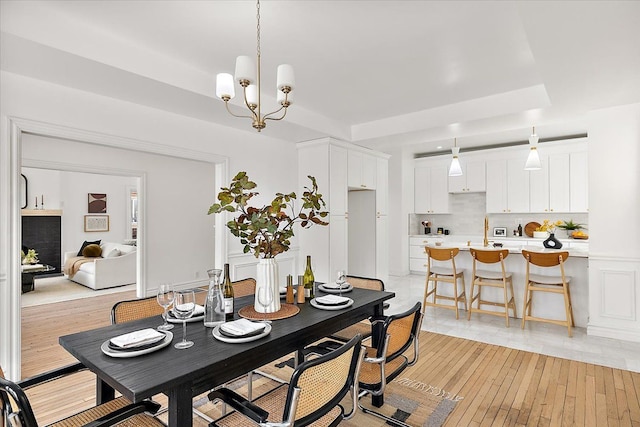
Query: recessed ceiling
{"x": 383, "y": 74}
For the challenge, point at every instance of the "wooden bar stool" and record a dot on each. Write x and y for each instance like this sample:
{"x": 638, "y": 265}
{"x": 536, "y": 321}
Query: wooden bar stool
{"x": 440, "y": 273}
{"x": 494, "y": 279}
{"x": 544, "y": 283}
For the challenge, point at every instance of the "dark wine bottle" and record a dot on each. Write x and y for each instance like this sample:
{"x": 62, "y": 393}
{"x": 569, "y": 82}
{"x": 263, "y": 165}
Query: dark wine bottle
{"x": 309, "y": 280}
{"x": 227, "y": 294}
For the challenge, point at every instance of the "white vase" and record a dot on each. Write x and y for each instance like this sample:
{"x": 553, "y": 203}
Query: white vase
{"x": 540, "y": 234}
{"x": 267, "y": 277}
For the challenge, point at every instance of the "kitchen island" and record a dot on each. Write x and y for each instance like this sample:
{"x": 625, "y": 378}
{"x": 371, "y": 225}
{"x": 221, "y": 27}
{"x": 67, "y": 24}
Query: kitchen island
{"x": 545, "y": 305}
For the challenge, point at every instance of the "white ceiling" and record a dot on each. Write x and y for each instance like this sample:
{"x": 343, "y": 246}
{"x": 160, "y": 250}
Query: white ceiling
{"x": 381, "y": 74}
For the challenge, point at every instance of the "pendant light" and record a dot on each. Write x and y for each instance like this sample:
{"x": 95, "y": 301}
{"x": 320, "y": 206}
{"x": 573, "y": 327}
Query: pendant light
{"x": 533, "y": 161}
{"x": 455, "y": 169}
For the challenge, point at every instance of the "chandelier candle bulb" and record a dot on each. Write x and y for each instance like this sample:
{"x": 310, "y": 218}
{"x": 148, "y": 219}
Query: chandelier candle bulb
{"x": 285, "y": 77}
{"x": 252, "y": 96}
{"x": 245, "y": 70}
{"x": 224, "y": 86}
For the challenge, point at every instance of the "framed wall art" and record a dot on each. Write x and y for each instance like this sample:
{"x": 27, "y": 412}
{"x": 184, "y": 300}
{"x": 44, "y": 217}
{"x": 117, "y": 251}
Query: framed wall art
{"x": 499, "y": 231}
{"x": 96, "y": 223}
{"x": 97, "y": 203}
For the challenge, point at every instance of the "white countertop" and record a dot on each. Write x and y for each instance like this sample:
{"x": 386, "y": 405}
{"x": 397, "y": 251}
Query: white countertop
{"x": 577, "y": 248}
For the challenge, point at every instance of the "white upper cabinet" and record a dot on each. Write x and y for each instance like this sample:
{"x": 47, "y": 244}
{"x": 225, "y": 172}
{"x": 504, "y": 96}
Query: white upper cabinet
{"x": 579, "y": 178}
{"x": 559, "y": 183}
{"x": 507, "y": 186}
{"x": 338, "y": 180}
{"x": 362, "y": 170}
{"x": 472, "y": 180}
{"x": 431, "y": 193}
{"x": 382, "y": 187}
{"x": 549, "y": 186}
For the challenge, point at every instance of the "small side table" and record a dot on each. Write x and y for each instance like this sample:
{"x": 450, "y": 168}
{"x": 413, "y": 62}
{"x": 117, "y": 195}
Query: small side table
{"x": 29, "y": 273}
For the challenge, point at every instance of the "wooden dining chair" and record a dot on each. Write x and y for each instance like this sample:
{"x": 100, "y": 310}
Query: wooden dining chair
{"x": 557, "y": 284}
{"x": 311, "y": 398}
{"x": 397, "y": 349}
{"x": 364, "y": 327}
{"x": 16, "y": 410}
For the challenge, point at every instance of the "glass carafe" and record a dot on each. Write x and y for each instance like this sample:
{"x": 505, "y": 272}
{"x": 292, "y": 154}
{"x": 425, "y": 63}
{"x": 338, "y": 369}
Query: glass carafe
{"x": 214, "y": 305}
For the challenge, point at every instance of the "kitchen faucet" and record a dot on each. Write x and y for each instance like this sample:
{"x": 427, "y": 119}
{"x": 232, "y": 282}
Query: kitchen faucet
{"x": 485, "y": 241}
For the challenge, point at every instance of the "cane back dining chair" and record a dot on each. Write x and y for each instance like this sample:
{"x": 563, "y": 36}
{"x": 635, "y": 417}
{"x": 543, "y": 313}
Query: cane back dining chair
{"x": 398, "y": 339}
{"x": 547, "y": 283}
{"x": 311, "y": 398}
{"x": 491, "y": 279}
{"x": 364, "y": 327}
{"x": 441, "y": 267}
{"x": 16, "y": 410}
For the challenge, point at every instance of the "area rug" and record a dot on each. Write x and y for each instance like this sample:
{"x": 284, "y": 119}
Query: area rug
{"x": 56, "y": 289}
{"x": 411, "y": 402}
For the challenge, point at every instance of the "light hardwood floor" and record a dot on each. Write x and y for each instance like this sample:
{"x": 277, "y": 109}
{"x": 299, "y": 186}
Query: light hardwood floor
{"x": 498, "y": 385}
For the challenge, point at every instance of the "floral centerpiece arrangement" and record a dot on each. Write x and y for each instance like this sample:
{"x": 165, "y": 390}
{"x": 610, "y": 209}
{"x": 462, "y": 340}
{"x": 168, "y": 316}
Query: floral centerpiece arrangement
{"x": 31, "y": 257}
{"x": 548, "y": 226}
{"x": 267, "y": 231}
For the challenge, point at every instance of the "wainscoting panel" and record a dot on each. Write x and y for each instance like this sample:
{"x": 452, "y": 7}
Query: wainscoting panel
{"x": 618, "y": 294}
{"x": 614, "y": 298}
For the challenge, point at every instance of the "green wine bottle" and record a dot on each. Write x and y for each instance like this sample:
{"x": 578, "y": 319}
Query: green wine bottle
{"x": 227, "y": 295}
{"x": 309, "y": 280}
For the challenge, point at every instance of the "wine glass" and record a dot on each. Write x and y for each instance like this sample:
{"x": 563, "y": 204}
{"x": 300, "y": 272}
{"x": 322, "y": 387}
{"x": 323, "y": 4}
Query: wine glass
{"x": 341, "y": 279}
{"x": 165, "y": 299}
{"x": 265, "y": 298}
{"x": 183, "y": 306}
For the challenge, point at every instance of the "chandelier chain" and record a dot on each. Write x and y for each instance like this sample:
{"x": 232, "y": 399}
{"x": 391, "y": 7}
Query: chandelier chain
{"x": 258, "y": 26}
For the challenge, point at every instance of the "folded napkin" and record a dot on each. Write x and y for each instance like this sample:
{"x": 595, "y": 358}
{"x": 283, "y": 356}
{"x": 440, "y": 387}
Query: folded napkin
{"x": 197, "y": 311}
{"x": 335, "y": 285}
{"x": 242, "y": 327}
{"x": 137, "y": 338}
{"x": 332, "y": 300}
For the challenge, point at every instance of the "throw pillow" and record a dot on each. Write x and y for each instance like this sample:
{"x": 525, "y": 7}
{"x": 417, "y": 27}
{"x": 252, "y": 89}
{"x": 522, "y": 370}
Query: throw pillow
{"x": 114, "y": 253}
{"x": 92, "y": 251}
{"x": 85, "y": 244}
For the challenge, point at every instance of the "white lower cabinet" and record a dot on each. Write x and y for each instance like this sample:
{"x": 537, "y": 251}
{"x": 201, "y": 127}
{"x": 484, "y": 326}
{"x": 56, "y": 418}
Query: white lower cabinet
{"x": 417, "y": 256}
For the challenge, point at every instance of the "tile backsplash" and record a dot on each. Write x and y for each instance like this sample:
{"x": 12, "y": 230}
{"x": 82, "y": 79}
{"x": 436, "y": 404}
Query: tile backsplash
{"x": 468, "y": 212}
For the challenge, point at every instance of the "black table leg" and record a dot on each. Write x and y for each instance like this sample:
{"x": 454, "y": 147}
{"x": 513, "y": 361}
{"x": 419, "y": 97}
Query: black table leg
{"x": 378, "y": 311}
{"x": 180, "y": 414}
{"x": 104, "y": 392}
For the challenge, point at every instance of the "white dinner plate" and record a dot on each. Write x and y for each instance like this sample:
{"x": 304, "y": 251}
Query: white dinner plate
{"x": 331, "y": 307}
{"x": 217, "y": 335}
{"x": 133, "y": 353}
{"x": 336, "y": 290}
{"x": 191, "y": 319}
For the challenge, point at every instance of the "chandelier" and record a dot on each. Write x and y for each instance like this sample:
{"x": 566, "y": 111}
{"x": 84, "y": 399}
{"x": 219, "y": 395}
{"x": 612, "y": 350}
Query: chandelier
{"x": 248, "y": 76}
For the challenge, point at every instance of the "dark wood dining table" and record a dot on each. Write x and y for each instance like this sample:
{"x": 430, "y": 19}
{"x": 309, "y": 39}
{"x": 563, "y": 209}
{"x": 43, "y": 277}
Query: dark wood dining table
{"x": 182, "y": 374}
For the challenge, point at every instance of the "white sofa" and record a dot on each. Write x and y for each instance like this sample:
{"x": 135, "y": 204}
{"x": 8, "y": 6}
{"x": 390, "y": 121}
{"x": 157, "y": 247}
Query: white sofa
{"x": 107, "y": 271}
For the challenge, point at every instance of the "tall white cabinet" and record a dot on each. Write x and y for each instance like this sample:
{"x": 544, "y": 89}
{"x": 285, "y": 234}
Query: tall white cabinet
{"x": 340, "y": 167}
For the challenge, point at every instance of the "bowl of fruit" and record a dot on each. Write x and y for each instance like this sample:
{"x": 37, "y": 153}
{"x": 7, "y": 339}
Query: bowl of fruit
{"x": 579, "y": 234}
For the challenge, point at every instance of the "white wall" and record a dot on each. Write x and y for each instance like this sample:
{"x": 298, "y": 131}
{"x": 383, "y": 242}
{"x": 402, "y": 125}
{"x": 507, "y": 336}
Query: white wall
{"x": 614, "y": 231}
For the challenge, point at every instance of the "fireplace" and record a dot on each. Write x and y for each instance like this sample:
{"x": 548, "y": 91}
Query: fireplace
{"x": 42, "y": 231}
